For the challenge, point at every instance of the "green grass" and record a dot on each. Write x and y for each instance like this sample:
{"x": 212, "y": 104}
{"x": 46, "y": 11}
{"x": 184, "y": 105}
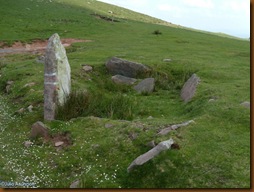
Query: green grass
{"x": 214, "y": 152}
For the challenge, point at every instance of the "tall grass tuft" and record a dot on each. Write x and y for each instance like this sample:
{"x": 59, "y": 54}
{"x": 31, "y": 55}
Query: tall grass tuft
{"x": 96, "y": 104}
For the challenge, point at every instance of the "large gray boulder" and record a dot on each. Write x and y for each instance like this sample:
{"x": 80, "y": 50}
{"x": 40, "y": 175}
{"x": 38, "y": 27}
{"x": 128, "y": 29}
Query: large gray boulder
{"x": 189, "y": 88}
{"x": 57, "y": 76}
{"x": 119, "y": 79}
{"x": 126, "y": 68}
{"x": 145, "y": 86}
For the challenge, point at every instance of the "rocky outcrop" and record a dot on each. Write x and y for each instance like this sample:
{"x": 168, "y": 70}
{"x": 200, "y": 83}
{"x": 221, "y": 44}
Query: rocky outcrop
{"x": 189, "y": 88}
{"x": 126, "y": 68}
{"x": 57, "y": 76}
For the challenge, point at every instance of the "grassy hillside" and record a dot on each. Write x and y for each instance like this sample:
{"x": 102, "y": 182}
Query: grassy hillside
{"x": 214, "y": 152}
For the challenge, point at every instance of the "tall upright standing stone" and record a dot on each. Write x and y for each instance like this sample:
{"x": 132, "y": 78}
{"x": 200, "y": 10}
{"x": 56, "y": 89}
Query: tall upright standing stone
{"x": 57, "y": 76}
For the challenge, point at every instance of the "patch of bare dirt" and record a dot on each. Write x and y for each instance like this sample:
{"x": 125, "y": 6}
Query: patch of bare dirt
{"x": 37, "y": 46}
{"x": 59, "y": 140}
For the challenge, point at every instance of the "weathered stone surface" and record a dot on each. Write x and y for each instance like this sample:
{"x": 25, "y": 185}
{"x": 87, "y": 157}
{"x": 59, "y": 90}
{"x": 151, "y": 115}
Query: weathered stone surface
{"x": 167, "y": 60}
{"x": 145, "y": 86}
{"x": 28, "y": 143}
{"x": 87, "y": 68}
{"x": 57, "y": 76}
{"x": 29, "y": 84}
{"x": 8, "y": 86}
{"x": 20, "y": 111}
{"x": 39, "y": 130}
{"x": 108, "y": 125}
{"x": 30, "y": 108}
{"x": 164, "y": 145}
{"x": 173, "y": 127}
{"x": 119, "y": 79}
{"x": 75, "y": 184}
{"x": 246, "y": 104}
{"x": 10, "y": 82}
{"x": 126, "y": 68}
{"x": 59, "y": 143}
{"x": 189, "y": 88}
{"x": 151, "y": 144}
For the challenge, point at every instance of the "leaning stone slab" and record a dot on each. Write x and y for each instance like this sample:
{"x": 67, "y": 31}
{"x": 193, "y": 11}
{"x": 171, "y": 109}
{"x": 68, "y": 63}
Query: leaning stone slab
{"x": 39, "y": 130}
{"x": 164, "y": 145}
{"x": 119, "y": 79}
{"x": 189, "y": 88}
{"x": 174, "y": 127}
{"x": 126, "y": 68}
{"x": 57, "y": 76}
{"x": 145, "y": 86}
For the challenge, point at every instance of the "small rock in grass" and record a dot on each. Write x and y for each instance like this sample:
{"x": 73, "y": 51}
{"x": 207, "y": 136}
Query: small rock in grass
{"x": 29, "y": 84}
{"x": 151, "y": 144}
{"x": 59, "y": 143}
{"x": 28, "y": 143}
{"x": 150, "y": 117}
{"x": 119, "y": 79}
{"x": 30, "y": 108}
{"x": 87, "y": 68}
{"x": 246, "y": 104}
{"x": 108, "y": 125}
{"x": 75, "y": 184}
{"x": 20, "y": 111}
{"x": 39, "y": 130}
{"x": 10, "y": 82}
{"x": 167, "y": 60}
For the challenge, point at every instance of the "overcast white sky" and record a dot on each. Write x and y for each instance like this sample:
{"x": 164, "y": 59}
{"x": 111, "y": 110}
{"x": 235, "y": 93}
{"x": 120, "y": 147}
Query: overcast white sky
{"x": 226, "y": 16}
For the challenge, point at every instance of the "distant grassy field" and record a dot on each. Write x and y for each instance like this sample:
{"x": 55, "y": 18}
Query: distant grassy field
{"x": 214, "y": 152}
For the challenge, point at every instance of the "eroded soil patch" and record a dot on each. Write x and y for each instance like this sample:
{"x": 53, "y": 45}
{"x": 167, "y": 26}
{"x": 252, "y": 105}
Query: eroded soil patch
{"x": 37, "y": 46}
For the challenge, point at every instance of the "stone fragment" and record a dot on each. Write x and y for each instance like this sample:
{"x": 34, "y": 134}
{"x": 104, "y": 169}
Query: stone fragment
{"x": 28, "y": 143}
{"x": 151, "y": 144}
{"x": 145, "y": 86}
{"x": 75, "y": 184}
{"x": 29, "y": 84}
{"x": 57, "y": 76}
{"x": 133, "y": 136}
{"x": 167, "y": 60}
{"x": 8, "y": 89}
{"x": 87, "y": 68}
{"x": 150, "y": 117}
{"x": 59, "y": 143}
{"x": 8, "y": 86}
{"x": 173, "y": 127}
{"x": 30, "y": 108}
{"x": 10, "y": 82}
{"x": 20, "y": 111}
{"x": 117, "y": 66}
{"x": 140, "y": 160}
{"x": 108, "y": 125}
{"x": 246, "y": 104}
{"x": 189, "y": 88}
{"x": 119, "y": 79}
{"x": 39, "y": 130}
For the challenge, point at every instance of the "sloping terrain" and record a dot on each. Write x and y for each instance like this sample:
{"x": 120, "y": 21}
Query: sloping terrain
{"x": 214, "y": 152}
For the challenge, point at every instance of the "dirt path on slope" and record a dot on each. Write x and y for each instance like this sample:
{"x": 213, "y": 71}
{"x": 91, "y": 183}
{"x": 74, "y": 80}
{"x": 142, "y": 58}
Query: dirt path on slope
{"x": 37, "y": 46}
